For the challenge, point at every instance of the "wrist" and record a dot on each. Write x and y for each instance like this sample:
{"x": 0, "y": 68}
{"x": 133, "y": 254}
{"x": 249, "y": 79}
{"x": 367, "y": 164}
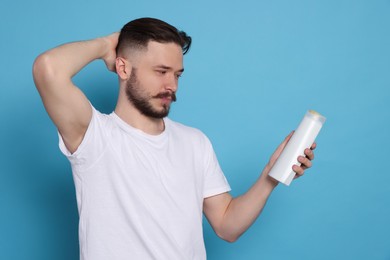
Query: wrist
{"x": 108, "y": 45}
{"x": 269, "y": 182}
{"x": 103, "y": 46}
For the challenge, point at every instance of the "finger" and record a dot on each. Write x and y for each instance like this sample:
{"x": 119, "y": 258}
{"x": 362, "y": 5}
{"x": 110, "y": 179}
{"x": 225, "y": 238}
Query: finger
{"x": 305, "y": 162}
{"x": 309, "y": 154}
{"x": 313, "y": 146}
{"x": 298, "y": 170}
{"x": 280, "y": 148}
{"x": 286, "y": 139}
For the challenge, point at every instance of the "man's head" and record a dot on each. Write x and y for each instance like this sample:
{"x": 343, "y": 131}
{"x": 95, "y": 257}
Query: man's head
{"x": 136, "y": 35}
{"x": 149, "y": 58}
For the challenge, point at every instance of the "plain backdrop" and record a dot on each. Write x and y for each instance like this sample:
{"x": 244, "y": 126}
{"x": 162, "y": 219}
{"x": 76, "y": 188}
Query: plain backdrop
{"x": 254, "y": 69}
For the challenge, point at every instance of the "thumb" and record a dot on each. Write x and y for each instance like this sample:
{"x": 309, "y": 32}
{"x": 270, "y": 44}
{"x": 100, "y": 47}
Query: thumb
{"x": 280, "y": 149}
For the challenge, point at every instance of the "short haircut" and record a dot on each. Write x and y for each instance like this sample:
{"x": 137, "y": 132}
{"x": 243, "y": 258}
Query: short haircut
{"x": 138, "y": 33}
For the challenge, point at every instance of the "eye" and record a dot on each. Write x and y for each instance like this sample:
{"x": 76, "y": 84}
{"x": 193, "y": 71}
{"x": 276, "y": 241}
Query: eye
{"x": 161, "y": 72}
{"x": 178, "y": 76}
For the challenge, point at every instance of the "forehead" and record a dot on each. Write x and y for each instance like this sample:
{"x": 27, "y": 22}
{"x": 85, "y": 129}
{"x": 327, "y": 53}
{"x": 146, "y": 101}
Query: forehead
{"x": 168, "y": 54}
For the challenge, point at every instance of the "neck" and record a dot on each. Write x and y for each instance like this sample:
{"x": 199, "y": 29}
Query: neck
{"x": 129, "y": 114}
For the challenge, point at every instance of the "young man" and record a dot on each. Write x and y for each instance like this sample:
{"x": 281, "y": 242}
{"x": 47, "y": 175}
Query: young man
{"x": 142, "y": 181}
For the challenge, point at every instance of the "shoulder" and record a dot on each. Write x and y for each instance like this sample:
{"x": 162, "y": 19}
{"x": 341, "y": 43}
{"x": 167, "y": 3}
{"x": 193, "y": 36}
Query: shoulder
{"x": 101, "y": 118}
{"x": 185, "y": 131}
{"x": 98, "y": 127}
{"x": 93, "y": 141}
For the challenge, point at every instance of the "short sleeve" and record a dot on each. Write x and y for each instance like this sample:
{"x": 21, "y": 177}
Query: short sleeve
{"x": 215, "y": 180}
{"x": 91, "y": 147}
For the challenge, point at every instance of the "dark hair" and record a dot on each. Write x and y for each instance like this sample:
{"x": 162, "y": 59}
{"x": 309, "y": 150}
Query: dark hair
{"x": 137, "y": 34}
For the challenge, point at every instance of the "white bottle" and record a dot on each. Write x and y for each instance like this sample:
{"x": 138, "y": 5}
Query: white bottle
{"x": 302, "y": 138}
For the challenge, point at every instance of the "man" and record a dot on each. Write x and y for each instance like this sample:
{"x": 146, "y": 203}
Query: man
{"x": 142, "y": 181}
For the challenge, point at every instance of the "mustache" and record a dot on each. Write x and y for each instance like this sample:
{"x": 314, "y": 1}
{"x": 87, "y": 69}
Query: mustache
{"x": 171, "y": 95}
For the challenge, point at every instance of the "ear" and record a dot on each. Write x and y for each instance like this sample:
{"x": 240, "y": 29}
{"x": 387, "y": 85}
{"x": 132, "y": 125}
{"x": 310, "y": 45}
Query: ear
{"x": 123, "y": 68}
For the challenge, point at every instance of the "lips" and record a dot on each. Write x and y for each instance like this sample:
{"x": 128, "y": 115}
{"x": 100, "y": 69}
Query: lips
{"x": 167, "y": 96}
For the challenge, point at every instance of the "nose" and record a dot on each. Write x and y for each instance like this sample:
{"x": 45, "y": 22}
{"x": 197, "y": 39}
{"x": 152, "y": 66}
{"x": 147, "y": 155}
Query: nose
{"x": 171, "y": 83}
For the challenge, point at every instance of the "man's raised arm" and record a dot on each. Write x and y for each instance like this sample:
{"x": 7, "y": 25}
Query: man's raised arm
{"x": 66, "y": 105}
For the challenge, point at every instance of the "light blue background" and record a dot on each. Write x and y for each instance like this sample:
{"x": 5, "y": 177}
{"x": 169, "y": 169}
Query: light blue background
{"x": 254, "y": 69}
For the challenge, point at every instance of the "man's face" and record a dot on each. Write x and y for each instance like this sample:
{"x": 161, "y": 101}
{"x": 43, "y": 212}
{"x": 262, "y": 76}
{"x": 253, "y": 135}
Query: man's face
{"x": 154, "y": 79}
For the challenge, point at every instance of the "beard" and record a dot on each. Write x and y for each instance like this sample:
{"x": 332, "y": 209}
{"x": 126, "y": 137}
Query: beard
{"x": 142, "y": 100}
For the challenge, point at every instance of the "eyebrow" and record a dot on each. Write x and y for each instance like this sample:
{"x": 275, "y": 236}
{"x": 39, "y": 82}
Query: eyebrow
{"x": 168, "y": 68}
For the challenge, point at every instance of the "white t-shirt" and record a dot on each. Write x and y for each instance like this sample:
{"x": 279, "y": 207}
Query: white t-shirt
{"x": 141, "y": 196}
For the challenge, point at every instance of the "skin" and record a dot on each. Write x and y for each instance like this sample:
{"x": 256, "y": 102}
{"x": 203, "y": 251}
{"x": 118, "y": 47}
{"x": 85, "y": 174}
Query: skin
{"x": 158, "y": 68}
{"x": 158, "y": 71}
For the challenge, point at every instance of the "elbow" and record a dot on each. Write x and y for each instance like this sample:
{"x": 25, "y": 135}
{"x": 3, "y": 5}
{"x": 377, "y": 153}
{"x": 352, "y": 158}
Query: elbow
{"x": 228, "y": 231}
{"x": 43, "y": 71}
{"x": 231, "y": 238}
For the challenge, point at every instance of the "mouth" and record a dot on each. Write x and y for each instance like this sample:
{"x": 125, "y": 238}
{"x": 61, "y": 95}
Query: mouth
{"x": 167, "y": 97}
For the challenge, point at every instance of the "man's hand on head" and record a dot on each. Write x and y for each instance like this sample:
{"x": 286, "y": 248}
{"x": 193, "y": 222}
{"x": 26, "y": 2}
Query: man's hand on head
{"x": 110, "y": 56}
